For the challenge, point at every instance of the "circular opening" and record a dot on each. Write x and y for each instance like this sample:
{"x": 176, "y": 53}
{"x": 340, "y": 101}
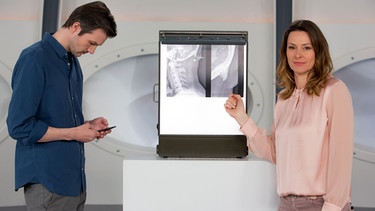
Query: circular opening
{"x": 4, "y": 99}
{"x": 360, "y": 79}
{"x": 124, "y": 90}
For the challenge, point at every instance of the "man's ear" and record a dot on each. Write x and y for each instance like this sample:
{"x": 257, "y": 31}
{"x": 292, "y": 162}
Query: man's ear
{"x": 76, "y": 28}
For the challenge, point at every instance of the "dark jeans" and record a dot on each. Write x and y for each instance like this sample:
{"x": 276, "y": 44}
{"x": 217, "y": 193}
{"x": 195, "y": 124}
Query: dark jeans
{"x": 39, "y": 198}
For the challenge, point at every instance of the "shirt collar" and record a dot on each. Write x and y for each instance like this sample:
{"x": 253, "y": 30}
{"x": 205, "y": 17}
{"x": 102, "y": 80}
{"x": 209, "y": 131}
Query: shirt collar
{"x": 57, "y": 47}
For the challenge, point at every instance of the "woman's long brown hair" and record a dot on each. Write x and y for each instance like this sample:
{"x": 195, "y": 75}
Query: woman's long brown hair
{"x": 318, "y": 76}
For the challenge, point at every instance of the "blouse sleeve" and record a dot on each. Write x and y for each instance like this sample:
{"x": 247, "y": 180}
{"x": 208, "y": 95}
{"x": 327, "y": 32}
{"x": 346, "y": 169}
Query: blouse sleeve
{"x": 261, "y": 144}
{"x": 340, "y": 148}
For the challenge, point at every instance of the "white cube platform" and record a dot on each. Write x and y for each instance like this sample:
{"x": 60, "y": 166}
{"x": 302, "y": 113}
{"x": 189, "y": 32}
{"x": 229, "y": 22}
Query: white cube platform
{"x": 152, "y": 183}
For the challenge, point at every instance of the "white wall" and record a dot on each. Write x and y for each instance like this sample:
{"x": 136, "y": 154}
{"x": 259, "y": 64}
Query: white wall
{"x": 348, "y": 25}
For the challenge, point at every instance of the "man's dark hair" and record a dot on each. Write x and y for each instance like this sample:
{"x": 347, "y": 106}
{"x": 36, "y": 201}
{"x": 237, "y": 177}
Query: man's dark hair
{"x": 91, "y": 16}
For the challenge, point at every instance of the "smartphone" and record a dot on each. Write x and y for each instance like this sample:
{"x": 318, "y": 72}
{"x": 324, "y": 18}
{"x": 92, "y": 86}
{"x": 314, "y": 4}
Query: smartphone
{"x": 105, "y": 129}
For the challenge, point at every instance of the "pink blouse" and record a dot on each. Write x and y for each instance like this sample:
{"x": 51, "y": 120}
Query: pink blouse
{"x": 311, "y": 143}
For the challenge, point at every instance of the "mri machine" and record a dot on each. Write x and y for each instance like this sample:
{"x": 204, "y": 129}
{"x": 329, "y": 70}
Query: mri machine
{"x": 357, "y": 70}
{"x": 4, "y": 98}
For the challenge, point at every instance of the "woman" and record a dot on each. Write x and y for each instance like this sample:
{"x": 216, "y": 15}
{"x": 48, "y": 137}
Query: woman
{"x": 311, "y": 139}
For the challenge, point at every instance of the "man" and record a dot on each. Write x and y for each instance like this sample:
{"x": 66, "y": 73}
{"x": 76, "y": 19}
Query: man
{"x": 45, "y": 113}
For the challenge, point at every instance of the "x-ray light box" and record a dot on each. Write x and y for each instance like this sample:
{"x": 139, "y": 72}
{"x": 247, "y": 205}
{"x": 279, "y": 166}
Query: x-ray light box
{"x": 197, "y": 72}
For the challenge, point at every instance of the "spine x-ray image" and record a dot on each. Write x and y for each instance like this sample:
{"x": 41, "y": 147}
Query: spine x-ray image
{"x": 204, "y": 70}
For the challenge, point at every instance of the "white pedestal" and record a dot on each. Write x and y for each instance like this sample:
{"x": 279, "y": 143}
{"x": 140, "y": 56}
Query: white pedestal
{"x": 157, "y": 184}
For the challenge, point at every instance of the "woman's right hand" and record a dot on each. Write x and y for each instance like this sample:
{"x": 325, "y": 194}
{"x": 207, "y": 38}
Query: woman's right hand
{"x": 234, "y": 106}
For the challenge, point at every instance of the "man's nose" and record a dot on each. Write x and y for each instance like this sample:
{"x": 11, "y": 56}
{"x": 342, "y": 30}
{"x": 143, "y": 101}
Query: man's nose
{"x": 92, "y": 49}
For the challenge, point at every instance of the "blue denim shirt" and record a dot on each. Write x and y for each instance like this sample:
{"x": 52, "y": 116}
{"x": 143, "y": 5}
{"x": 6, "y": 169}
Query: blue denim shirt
{"x": 47, "y": 91}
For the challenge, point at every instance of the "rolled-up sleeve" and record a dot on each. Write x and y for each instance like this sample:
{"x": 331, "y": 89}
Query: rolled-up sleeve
{"x": 21, "y": 121}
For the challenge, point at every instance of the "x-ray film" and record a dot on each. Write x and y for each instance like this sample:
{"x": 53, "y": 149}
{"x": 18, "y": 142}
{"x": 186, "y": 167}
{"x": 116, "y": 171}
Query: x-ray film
{"x": 195, "y": 81}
